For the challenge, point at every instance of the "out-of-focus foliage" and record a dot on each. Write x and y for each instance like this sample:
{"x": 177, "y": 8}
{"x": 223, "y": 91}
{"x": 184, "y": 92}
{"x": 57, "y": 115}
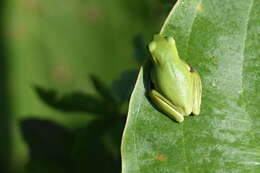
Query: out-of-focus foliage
{"x": 84, "y": 148}
{"x": 5, "y": 125}
{"x": 54, "y": 118}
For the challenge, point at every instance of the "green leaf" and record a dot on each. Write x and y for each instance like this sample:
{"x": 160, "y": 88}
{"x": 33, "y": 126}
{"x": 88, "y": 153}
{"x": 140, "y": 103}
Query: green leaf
{"x": 221, "y": 40}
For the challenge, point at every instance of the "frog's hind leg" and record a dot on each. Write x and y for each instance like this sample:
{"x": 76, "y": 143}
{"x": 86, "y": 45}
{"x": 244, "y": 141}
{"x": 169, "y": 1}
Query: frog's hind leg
{"x": 166, "y": 106}
{"x": 197, "y": 89}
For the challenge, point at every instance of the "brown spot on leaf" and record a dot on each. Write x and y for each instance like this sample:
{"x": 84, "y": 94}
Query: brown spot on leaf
{"x": 160, "y": 157}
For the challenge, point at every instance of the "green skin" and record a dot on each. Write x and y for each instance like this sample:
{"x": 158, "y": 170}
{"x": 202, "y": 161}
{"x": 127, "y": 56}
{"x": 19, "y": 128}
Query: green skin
{"x": 177, "y": 86}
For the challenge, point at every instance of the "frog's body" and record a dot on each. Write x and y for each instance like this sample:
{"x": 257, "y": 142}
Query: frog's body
{"x": 177, "y": 87}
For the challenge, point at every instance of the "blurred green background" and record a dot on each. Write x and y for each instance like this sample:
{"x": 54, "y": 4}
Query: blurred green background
{"x": 67, "y": 68}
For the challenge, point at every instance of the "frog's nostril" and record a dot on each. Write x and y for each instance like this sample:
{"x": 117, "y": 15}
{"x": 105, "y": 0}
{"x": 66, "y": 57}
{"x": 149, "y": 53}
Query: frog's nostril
{"x": 167, "y": 38}
{"x": 152, "y": 46}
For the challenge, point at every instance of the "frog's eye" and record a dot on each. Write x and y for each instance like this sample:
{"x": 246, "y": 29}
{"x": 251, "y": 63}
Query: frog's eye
{"x": 167, "y": 38}
{"x": 152, "y": 46}
{"x": 170, "y": 39}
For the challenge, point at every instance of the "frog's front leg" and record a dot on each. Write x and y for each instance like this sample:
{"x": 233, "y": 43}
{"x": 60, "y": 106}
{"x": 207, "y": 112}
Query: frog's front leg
{"x": 197, "y": 89}
{"x": 166, "y": 106}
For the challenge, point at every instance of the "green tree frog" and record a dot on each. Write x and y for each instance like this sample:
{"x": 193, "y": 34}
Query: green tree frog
{"x": 176, "y": 85}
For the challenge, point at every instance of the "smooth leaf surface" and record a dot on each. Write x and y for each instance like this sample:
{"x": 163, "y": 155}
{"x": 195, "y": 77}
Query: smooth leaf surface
{"x": 221, "y": 40}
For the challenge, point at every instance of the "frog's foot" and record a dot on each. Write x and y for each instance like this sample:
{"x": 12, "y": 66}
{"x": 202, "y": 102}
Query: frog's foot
{"x": 166, "y": 106}
{"x": 197, "y": 89}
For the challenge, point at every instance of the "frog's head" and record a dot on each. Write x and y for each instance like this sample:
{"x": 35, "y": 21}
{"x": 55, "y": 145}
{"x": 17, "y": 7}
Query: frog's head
{"x": 162, "y": 48}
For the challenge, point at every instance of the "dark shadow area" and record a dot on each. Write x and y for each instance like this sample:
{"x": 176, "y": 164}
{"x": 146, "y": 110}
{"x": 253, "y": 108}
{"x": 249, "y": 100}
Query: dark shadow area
{"x": 4, "y": 101}
{"x": 53, "y": 148}
{"x": 50, "y": 146}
